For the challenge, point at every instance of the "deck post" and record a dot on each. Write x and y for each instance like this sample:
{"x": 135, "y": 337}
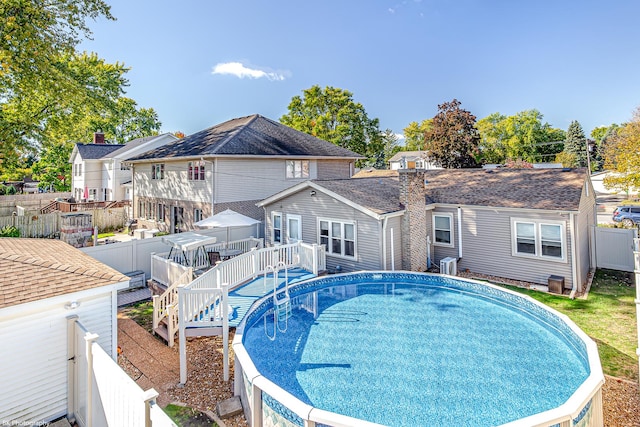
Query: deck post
{"x": 182, "y": 336}
{"x": 315, "y": 259}
{"x": 225, "y": 329}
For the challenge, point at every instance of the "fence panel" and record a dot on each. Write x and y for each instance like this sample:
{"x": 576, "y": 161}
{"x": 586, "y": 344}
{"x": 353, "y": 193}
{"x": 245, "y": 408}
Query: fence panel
{"x": 614, "y": 248}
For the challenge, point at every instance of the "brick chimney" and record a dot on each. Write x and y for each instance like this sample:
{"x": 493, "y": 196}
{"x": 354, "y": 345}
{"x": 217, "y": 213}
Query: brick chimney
{"x": 414, "y": 221}
{"x": 98, "y": 138}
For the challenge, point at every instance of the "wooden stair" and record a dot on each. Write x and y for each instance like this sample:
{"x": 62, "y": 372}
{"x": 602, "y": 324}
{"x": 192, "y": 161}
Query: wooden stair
{"x": 162, "y": 330}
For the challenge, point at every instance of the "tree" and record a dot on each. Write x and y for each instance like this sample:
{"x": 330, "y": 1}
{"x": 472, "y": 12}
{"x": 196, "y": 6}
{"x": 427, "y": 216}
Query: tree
{"x": 521, "y": 136}
{"x": 576, "y": 144}
{"x": 453, "y": 140}
{"x": 621, "y": 156}
{"x": 332, "y": 114}
{"x": 602, "y": 135}
{"x": 414, "y": 135}
{"x": 37, "y": 39}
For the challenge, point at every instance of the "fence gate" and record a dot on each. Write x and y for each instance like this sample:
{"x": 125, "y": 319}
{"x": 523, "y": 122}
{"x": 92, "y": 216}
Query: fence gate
{"x": 614, "y": 248}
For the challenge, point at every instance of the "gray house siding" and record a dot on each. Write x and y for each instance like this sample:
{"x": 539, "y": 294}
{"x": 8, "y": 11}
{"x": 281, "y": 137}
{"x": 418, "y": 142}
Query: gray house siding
{"x": 311, "y": 208}
{"x": 395, "y": 253}
{"x": 487, "y": 247}
{"x": 439, "y": 251}
{"x": 334, "y": 169}
{"x": 586, "y": 216}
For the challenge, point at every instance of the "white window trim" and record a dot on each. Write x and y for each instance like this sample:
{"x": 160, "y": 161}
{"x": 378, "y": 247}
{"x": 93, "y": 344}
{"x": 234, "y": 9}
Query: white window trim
{"x": 273, "y": 215}
{"x": 328, "y": 248}
{"x": 451, "y": 229}
{"x": 294, "y": 162}
{"x": 299, "y": 218}
{"x": 538, "y": 239}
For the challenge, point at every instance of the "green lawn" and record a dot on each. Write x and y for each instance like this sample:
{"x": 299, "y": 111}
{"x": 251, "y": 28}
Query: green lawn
{"x": 184, "y": 416}
{"x": 608, "y": 316}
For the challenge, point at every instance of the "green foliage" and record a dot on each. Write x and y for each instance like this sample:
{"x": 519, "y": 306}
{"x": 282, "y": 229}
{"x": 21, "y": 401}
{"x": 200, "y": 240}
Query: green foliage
{"x": 331, "y": 114}
{"x": 50, "y": 95}
{"x": 415, "y": 135}
{"x": 568, "y": 160}
{"x": 453, "y": 139}
{"x": 576, "y": 144}
{"x": 9, "y": 231}
{"x": 621, "y": 156}
{"x": 521, "y": 136}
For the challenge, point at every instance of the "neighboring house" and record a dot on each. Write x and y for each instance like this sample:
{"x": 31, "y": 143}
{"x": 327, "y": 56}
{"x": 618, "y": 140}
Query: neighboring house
{"x": 231, "y": 165}
{"x": 43, "y": 282}
{"x": 98, "y": 172}
{"x": 520, "y": 224}
{"x": 411, "y": 160}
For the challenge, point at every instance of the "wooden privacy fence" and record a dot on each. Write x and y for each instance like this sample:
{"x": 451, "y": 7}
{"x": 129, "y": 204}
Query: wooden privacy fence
{"x": 48, "y": 225}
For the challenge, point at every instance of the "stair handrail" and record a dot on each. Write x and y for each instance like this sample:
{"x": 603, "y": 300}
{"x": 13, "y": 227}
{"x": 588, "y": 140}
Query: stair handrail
{"x": 169, "y": 298}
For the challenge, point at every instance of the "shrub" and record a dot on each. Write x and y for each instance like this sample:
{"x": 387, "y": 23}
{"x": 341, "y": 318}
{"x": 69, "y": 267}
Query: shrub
{"x": 9, "y": 231}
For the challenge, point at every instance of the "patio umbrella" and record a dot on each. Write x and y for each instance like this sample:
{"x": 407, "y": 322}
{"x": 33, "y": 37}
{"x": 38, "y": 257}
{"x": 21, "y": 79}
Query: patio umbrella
{"x": 227, "y": 219}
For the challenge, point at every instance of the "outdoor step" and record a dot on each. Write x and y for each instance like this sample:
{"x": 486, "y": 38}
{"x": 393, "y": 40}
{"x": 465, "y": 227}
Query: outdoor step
{"x": 162, "y": 331}
{"x": 229, "y": 408}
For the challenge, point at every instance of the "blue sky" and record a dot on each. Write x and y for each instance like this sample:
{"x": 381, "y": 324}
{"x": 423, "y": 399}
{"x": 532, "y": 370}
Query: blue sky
{"x": 201, "y": 62}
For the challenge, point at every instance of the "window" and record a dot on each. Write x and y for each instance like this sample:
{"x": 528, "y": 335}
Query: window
{"x": 93, "y": 193}
{"x": 157, "y": 171}
{"x": 276, "y": 220}
{"x": 339, "y": 238}
{"x": 78, "y": 169}
{"x": 125, "y": 167}
{"x": 294, "y": 228}
{"x": 538, "y": 239}
{"x": 161, "y": 212}
{"x": 196, "y": 171}
{"x": 442, "y": 229}
{"x": 197, "y": 215}
{"x": 297, "y": 169}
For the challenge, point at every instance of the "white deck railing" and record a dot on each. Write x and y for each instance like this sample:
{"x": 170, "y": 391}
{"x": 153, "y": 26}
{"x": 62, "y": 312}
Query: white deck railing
{"x": 203, "y": 303}
{"x": 167, "y": 267}
{"x": 165, "y": 306}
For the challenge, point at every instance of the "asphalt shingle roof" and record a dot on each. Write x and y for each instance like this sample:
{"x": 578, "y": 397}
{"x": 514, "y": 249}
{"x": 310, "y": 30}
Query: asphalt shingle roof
{"x": 379, "y": 195}
{"x": 549, "y": 189}
{"x": 248, "y": 136}
{"x": 96, "y": 151}
{"x": 35, "y": 269}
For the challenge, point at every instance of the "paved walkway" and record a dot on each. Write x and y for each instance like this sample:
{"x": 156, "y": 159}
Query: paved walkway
{"x": 158, "y": 364}
{"x": 130, "y": 297}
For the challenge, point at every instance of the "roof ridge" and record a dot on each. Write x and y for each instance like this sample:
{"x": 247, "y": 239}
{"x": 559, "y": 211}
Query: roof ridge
{"x": 237, "y": 131}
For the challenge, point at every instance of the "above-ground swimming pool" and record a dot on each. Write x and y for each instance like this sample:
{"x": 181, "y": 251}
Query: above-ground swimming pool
{"x": 408, "y": 349}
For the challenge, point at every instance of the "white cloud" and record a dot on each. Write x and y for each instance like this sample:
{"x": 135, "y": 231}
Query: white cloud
{"x": 239, "y": 70}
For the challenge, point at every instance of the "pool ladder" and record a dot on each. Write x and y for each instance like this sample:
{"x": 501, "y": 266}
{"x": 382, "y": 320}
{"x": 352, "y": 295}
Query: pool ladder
{"x": 281, "y": 306}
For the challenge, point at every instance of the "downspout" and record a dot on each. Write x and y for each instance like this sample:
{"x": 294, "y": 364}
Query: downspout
{"x": 393, "y": 255}
{"x": 459, "y": 233}
{"x": 383, "y": 242}
{"x": 574, "y": 272}
{"x": 214, "y": 175}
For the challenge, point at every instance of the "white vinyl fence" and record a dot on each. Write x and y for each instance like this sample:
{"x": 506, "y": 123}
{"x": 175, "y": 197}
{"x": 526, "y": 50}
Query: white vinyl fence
{"x": 104, "y": 395}
{"x": 614, "y": 248}
{"x": 136, "y": 254}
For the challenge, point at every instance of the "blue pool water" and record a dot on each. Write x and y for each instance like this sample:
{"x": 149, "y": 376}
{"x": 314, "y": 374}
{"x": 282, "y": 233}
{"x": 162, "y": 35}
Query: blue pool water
{"x": 405, "y": 352}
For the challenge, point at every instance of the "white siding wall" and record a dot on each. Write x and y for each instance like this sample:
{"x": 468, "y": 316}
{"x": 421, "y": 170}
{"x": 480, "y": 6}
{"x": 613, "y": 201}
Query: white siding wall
{"x": 33, "y": 361}
{"x": 368, "y": 238}
{"x": 92, "y": 172}
{"x": 175, "y": 184}
{"x": 234, "y": 179}
{"x": 253, "y": 179}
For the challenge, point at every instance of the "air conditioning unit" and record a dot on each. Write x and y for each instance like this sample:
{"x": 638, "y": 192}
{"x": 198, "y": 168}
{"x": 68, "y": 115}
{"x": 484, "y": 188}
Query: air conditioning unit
{"x": 449, "y": 266}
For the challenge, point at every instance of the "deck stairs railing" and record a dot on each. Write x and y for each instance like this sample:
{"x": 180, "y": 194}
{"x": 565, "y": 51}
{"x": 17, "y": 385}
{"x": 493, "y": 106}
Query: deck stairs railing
{"x": 165, "y": 309}
{"x": 232, "y": 272}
